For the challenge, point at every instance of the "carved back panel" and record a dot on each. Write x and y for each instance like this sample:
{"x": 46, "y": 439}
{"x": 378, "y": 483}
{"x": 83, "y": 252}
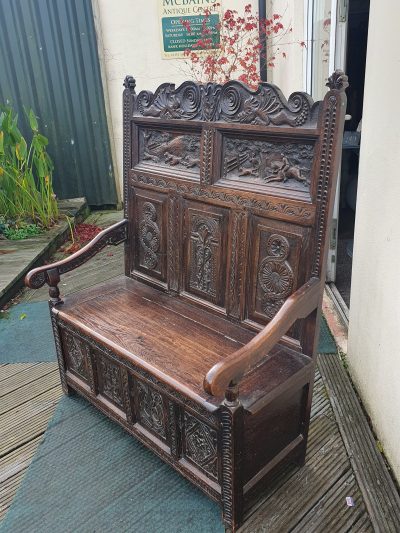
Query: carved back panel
{"x": 229, "y": 192}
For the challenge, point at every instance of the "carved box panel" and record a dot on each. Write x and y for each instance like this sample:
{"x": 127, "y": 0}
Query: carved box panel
{"x": 110, "y": 380}
{"x": 151, "y": 409}
{"x": 205, "y": 240}
{"x": 76, "y": 355}
{"x": 150, "y": 238}
{"x": 200, "y": 445}
{"x": 169, "y": 151}
{"x": 277, "y": 266}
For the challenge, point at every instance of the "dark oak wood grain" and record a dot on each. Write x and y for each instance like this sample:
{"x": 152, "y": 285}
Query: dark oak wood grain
{"x": 205, "y": 349}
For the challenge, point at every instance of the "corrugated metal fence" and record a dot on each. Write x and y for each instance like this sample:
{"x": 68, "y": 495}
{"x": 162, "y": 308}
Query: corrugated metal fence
{"x": 49, "y": 62}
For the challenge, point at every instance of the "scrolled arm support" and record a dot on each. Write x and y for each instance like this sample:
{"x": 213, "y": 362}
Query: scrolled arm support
{"x": 225, "y": 375}
{"x": 50, "y": 274}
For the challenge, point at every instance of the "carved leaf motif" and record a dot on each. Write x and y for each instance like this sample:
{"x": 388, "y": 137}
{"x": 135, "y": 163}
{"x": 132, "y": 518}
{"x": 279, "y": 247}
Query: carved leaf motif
{"x": 111, "y": 380}
{"x": 170, "y": 103}
{"x": 232, "y": 102}
{"x": 38, "y": 280}
{"x": 129, "y": 83}
{"x": 208, "y": 140}
{"x": 149, "y": 236}
{"x": 338, "y": 80}
{"x": 210, "y": 96}
{"x": 201, "y": 444}
{"x": 197, "y": 191}
{"x": 151, "y": 409}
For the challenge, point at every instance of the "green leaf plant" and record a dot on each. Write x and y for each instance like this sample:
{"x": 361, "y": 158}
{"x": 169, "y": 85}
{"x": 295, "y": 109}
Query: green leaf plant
{"x": 26, "y": 190}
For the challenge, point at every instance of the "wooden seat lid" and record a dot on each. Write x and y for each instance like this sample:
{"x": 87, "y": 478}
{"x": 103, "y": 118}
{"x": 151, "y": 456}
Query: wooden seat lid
{"x": 173, "y": 339}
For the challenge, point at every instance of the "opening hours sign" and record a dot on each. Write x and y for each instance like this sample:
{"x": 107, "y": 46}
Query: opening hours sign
{"x": 176, "y": 14}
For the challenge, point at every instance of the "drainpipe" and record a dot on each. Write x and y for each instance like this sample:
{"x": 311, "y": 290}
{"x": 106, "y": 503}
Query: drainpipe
{"x": 262, "y": 13}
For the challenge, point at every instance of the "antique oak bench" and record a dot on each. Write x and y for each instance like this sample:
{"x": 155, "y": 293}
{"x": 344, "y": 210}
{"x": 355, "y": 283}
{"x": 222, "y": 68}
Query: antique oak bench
{"x": 205, "y": 349}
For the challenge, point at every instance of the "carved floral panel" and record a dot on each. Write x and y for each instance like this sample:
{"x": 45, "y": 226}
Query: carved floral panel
{"x": 109, "y": 379}
{"x": 76, "y": 355}
{"x": 151, "y": 409}
{"x": 205, "y": 233}
{"x": 275, "y": 275}
{"x": 286, "y": 165}
{"x": 170, "y": 150}
{"x": 200, "y": 444}
{"x": 277, "y": 264}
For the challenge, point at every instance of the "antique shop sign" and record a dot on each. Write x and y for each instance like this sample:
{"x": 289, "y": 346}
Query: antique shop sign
{"x": 175, "y": 38}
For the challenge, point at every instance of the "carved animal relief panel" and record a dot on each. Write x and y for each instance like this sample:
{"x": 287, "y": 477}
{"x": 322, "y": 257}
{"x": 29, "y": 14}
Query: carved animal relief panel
{"x": 286, "y": 165}
{"x": 170, "y": 150}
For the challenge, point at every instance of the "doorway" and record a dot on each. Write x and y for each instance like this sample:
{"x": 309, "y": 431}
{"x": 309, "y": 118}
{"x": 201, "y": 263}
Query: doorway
{"x": 338, "y": 32}
{"x": 355, "y": 59}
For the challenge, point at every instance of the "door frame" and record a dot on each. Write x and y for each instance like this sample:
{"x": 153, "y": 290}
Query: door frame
{"x": 337, "y": 60}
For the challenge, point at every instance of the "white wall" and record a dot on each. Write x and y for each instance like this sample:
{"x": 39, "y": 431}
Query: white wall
{"x": 374, "y": 349}
{"x": 288, "y": 73}
{"x": 129, "y": 43}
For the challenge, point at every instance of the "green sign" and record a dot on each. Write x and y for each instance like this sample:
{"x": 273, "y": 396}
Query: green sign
{"x": 176, "y": 38}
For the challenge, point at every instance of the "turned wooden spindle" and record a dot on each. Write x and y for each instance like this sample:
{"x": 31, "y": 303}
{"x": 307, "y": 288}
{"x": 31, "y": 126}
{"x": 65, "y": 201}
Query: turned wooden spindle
{"x": 53, "y": 279}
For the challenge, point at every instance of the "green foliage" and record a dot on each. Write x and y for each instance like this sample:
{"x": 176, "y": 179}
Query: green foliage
{"x": 24, "y": 231}
{"x": 26, "y": 190}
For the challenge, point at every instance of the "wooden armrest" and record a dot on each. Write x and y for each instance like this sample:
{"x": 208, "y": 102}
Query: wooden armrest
{"x": 230, "y": 371}
{"x": 50, "y": 274}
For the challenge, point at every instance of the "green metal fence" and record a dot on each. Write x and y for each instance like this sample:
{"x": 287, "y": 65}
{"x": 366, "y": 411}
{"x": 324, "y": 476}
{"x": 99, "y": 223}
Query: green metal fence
{"x": 49, "y": 62}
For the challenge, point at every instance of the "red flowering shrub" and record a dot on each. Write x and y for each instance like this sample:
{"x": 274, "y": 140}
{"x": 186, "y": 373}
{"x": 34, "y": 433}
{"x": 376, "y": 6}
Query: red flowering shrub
{"x": 241, "y": 44}
{"x": 82, "y": 234}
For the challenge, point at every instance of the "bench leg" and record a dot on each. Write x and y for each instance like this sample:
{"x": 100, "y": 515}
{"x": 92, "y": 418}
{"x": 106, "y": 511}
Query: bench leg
{"x": 232, "y": 486}
{"x": 60, "y": 358}
{"x": 301, "y": 456}
{"x": 305, "y": 423}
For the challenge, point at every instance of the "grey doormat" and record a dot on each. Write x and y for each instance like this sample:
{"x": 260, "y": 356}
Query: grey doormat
{"x": 26, "y": 335}
{"x": 89, "y": 475}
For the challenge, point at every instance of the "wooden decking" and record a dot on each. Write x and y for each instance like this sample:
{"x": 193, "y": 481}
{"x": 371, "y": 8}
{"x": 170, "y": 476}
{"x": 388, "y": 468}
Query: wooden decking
{"x": 310, "y": 499}
{"x": 29, "y": 395}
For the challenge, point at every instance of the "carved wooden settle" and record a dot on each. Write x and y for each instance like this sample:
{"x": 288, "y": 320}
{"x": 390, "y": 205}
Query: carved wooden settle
{"x": 227, "y": 201}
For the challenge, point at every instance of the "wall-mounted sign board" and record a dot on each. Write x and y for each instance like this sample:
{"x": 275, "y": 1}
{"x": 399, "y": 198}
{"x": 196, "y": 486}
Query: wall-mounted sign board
{"x": 175, "y": 38}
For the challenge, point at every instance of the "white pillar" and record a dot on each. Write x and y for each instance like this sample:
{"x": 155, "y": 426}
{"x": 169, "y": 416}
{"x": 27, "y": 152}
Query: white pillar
{"x": 374, "y": 347}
